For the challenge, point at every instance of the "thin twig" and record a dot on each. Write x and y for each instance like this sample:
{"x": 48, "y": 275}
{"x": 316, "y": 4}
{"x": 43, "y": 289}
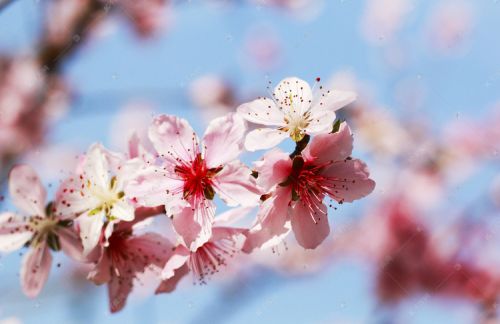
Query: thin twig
{"x": 5, "y": 3}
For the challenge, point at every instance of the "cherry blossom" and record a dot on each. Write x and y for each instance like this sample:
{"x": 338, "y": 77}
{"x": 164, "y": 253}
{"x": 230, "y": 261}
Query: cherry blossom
{"x": 208, "y": 258}
{"x": 126, "y": 256}
{"x": 292, "y": 112}
{"x": 96, "y": 194}
{"x": 187, "y": 176}
{"x": 39, "y": 228}
{"x": 325, "y": 168}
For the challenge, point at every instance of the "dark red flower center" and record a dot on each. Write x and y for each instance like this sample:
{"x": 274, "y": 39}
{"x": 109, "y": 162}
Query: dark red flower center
{"x": 198, "y": 178}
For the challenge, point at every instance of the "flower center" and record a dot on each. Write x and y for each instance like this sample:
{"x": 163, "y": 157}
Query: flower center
{"x": 108, "y": 198}
{"x": 45, "y": 228}
{"x": 198, "y": 178}
{"x": 305, "y": 181}
{"x": 296, "y": 125}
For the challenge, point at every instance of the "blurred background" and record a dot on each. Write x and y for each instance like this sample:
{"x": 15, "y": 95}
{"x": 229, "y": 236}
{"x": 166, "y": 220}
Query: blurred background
{"x": 422, "y": 248}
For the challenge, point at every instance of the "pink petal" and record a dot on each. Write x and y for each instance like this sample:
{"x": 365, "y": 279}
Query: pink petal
{"x": 169, "y": 285}
{"x": 13, "y": 232}
{"x": 174, "y": 139}
{"x": 153, "y": 249}
{"x": 155, "y": 187}
{"x": 177, "y": 260}
{"x": 35, "y": 270}
{"x": 236, "y": 185}
{"x": 27, "y": 191}
{"x": 273, "y": 168}
{"x": 136, "y": 149}
{"x": 272, "y": 218}
{"x": 223, "y": 140}
{"x": 71, "y": 244}
{"x": 309, "y": 224}
{"x": 118, "y": 290}
{"x": 262, "y": 111}
{"x": 333, "y": 100}
{"x": 294, "y": 94}
{"x": 194, "y": 224}
{"x": 353, "y": 182}
{"x": 264, "y": 138}
{"x": 326, "y": 148}
{"x": 101, "y": 273}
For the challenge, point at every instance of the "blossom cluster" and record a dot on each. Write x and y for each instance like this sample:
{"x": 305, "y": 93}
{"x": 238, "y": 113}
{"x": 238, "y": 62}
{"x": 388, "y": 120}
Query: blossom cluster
{"x": 97, "y": 211}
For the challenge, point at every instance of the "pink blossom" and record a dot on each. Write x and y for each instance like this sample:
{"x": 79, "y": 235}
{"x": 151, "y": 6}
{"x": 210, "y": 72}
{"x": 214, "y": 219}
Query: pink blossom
{"x": 40, "y": 228}
{"x": 325, "y": 168}
{"x": 209, "y": 257}
{"x": 263, "y": 48}
{"x": 189, "y": 177}
{"x": 126, "y": 257}
{"x": 292, "y": 112}
{"x": 450, "y": 25}
{"x": 96, "y": 194}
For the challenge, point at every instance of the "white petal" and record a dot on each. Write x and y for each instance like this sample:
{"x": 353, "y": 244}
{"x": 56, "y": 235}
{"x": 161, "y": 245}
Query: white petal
{"x": 293, "y": 95}
{"x": 96, "y": 166}
{"x": 262, "y": 111}
{"x": 123, "y": 210}
{"x": 13, "y": 232}
{"x": 264, "y": 138}
{"x": 333, "y": 100}
{"x": 321, "y": 121}
{"x": 90, "y": 230}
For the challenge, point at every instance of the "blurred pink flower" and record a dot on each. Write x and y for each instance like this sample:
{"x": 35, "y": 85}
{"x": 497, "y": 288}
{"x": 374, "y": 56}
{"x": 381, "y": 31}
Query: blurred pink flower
{"x": 449, "y": 25}
{"x": 147, "y": 16}
{"x": 411, "y": 262}
{"x": 27, "y": 103}
{"x": 214, "y": 95}
{"x": 40, "y": 229}
{"x": 263, "y": 47}
{"x": 293, "y": 112}
{"x": 190, "y": 177}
